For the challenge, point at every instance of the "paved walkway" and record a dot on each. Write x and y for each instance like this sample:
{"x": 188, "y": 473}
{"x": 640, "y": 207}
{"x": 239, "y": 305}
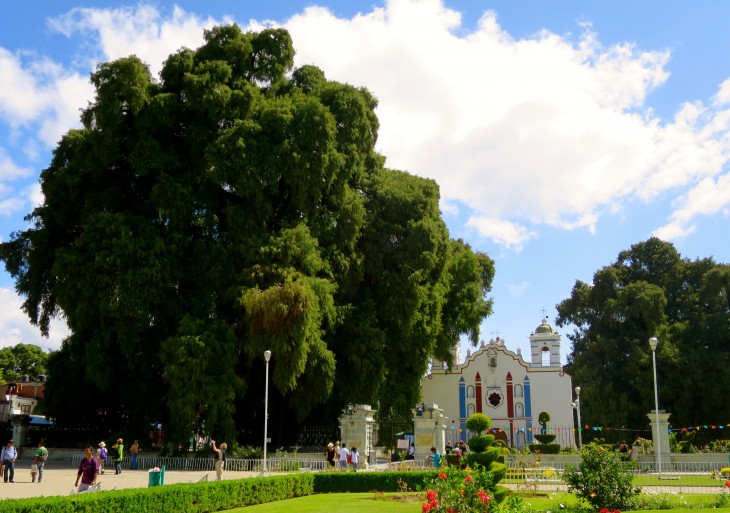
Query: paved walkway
{"x": 59, "y": 479}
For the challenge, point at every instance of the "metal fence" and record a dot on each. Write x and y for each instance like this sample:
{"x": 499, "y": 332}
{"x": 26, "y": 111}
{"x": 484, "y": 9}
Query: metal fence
{"x": 234, "y": 465}
{"x": 675, "y": 477}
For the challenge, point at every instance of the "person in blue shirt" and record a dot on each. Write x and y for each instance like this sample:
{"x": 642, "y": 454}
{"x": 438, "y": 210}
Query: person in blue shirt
{"x": 435, "y": 458}
{"x": 8, "y": 456}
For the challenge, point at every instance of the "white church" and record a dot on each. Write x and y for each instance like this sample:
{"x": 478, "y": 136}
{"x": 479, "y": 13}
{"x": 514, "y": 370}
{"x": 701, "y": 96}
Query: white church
{"x": 511, "y": 391}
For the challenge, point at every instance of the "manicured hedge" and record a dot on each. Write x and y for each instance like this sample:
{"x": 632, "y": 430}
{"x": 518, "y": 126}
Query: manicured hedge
{"x": 187, "y": 497}
{"x": 355, "y": 482}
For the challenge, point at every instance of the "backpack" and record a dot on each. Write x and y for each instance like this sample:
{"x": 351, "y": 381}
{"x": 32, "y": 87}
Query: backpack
{"x": 102, "y": 454}
{"x": 44, "y": 455}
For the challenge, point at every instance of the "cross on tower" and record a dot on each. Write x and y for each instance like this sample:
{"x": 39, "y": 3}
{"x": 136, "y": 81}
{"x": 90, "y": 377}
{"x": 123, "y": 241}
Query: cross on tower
{"x": 543, "y": 313}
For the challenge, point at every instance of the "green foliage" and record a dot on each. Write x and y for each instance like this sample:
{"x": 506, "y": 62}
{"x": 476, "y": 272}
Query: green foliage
{"x": 601, "y": 479}
{"x": 543, "y": 419}
{"x": 20, "y": 359}
{"x": 650, "y": 291}
{"x": 237, "y": 205}
{"x": 544, "y": 448}
{"x": 478, "y": 422}
{"x": 479, "y": 443}
{"x": 544, "y": 439}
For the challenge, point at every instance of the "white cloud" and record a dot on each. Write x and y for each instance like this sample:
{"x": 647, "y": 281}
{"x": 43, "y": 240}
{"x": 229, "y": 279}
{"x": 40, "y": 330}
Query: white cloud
{"x": 516, "y": 290}
{"x": 709, "y": 197}
{"x": 501, "y": 232}
{"x": 544, "y": 130}
{"x": 15, "y": 327}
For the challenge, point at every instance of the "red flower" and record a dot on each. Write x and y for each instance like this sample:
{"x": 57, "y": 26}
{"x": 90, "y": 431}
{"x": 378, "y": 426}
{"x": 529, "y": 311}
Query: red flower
{"x": 425, "y": 507}
{"x": 603, "y": 510}
{"x": 442, "y": 475}
{"x": 727, "y": 484}
{"x": 430, "y": 495}
{"x": 468, "y": 479}
{"x": 484, "y": 497}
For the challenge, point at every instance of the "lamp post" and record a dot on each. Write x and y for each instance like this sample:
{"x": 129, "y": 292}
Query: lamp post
{"x": 653, "y": 341}
{"x": 267, "y": 357}
{"x": 577, "y": 407}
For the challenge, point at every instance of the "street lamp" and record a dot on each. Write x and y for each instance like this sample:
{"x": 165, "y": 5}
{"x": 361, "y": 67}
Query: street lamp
{"x": 576, "y": 405}
{"x": 653, "y": 341}
{"x": 267, "y": 357}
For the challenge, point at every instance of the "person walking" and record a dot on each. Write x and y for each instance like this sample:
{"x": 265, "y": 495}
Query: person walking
{"x": 101, "y": 456}
{"x": 118, "y": 455}
{"x": 354, "y": 458}
{"x": 220, "y": 459}
{"x": 39, "y": 460}
{"x": 8, "y": 456}
{"x": 133, "y": 451}
{"x": 88, "y": 471}
{"x": 344, "y": 453}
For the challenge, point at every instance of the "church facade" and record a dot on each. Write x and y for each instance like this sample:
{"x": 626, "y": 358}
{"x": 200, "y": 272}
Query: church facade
{"x": 508, "y": 389}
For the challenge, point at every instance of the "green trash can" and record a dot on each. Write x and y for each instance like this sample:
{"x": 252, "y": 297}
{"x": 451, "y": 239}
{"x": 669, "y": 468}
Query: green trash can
{"x": 157, "y": 476}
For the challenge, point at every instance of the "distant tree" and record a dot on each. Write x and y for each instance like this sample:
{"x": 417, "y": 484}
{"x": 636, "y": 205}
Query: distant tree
{"x": 233, "y": 206}
{"x": 22, "y": 359}
{"x": 651, "y": 291}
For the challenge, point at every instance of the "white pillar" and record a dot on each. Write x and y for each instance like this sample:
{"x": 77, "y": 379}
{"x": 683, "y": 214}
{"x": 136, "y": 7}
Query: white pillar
{"x": 429, "y": 430}
{"x": 356, "y": 429}
{"x": 661, "y": 434}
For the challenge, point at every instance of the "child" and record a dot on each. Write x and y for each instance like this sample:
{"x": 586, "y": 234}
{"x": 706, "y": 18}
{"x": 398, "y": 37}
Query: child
{"x": 33, "y": 472}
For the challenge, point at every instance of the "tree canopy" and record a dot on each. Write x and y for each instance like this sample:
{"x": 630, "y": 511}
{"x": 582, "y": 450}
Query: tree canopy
{"x": 651, "y": 291}
{"x": 22, "y": 359}
{"x": 232, "y": 206}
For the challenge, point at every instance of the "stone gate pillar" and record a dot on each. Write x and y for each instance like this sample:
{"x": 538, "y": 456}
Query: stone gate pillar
{"x": 429, "y": 429}
{"x": 357, "y": 429}
{"x": 660, "y": 433}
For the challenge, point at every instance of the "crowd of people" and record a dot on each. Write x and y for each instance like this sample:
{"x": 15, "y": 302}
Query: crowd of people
{"x": 339, "y": 452}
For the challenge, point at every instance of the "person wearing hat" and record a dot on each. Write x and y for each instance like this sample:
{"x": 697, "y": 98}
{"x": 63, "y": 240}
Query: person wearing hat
{"x": 101, "y": 455}
{"x": 8, "y": 456}
{"x": 118, "y": 455}
{"x": 329, "y": 455}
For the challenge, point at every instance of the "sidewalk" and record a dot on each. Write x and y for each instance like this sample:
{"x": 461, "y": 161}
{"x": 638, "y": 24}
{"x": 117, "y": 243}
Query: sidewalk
{"x": 59, "y": 479}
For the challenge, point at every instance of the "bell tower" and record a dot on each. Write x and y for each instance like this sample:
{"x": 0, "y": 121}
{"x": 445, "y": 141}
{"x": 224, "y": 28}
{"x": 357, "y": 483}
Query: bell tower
{"x": 545, "y": 346}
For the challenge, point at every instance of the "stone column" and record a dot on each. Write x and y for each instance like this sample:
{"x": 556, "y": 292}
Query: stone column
{"x": 20, "y": 424}
{"x": 429, "y": 430}
{"x": 356, "y": 429}
{"x": 660, "y": 433}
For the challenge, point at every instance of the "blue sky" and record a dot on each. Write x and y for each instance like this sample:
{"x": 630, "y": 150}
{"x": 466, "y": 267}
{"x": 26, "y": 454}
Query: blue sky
{"x": 560, "y": 133}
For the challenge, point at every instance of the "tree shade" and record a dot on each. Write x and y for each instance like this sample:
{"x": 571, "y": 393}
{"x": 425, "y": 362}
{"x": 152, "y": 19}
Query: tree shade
{"x": 237, "y": 205}
{"x": 651, "y": 291}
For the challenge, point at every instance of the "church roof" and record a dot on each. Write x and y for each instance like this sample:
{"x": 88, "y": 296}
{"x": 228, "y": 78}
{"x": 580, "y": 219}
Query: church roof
{"x": 544, "y": 328}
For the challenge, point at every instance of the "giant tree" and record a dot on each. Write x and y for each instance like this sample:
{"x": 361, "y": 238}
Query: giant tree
{"x": 231, "y": 206}
{"x": 650, "y": 291}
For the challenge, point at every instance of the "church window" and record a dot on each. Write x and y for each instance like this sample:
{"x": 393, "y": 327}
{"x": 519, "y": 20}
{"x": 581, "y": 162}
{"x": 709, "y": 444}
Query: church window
{"x": 519, "y": 410}
{"x": 470, "y": 409}
{"x": 518, "y": 390}
{"x": 470, "y": 391}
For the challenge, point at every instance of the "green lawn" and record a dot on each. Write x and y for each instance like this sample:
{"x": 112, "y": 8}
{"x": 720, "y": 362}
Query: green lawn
{"x": 367, "y": 503}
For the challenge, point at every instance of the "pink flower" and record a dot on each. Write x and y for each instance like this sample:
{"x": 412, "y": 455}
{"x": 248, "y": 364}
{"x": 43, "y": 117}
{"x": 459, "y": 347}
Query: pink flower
{"x": 430, "y": 495}
{"x": 468, "y": 479}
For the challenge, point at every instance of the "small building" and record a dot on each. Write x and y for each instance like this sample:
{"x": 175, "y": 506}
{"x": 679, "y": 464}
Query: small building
{"x": 21, "y": 397}
{"x": 511, "y": 391}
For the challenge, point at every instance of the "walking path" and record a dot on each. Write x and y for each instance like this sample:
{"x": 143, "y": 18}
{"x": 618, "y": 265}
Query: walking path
{"x": 59, "y": 478}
